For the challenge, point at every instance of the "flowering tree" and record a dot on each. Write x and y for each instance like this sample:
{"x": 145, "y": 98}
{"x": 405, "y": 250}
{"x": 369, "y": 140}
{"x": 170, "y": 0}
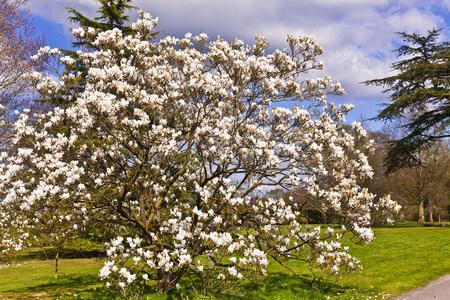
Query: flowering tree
{"x": 18, "y": 41}
{"x": 53, "y": 224}
{"x": 178, "y": 139}
{"x": 13, "y": 230}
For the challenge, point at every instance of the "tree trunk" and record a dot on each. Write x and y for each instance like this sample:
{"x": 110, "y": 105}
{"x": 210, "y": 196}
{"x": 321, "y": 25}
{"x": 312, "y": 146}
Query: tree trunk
{"x": 421, "y": 213}
{"x": 166, "y": 282}
{"x": 56, "y": 265}
{"x": 430, "y": 210}
{"x": 439, "y": 217}
{"x": 45, "y": 253}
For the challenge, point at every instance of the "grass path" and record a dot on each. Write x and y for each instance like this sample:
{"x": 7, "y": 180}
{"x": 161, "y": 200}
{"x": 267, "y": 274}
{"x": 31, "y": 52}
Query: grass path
{"x": 399, "y": 260}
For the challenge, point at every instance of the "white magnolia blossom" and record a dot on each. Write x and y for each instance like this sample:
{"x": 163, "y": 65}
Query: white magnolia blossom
{"x": 178, "y": 139}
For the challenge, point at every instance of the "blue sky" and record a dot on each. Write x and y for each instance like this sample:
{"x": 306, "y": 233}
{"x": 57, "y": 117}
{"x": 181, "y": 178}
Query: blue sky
{"x": 358, "y": 36}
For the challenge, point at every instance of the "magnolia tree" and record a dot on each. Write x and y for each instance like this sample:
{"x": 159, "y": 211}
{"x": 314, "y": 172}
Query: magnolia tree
{"x": 177, "y": 140}
{"x": 13, "y": 231}
{"x": 53, "y": 224}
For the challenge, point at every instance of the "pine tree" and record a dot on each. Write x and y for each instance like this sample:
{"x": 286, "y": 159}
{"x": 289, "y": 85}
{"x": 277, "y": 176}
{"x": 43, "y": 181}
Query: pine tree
{"x": 419, "y": 93}
{"x": 111, "y": 15}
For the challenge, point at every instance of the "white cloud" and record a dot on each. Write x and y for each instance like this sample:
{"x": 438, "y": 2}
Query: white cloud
{"x": 358, "y": 35}
{"x": 55, "y": 10}
{"x": 413, "y": 20}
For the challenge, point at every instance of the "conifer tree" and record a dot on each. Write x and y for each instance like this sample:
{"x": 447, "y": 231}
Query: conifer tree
{"x": 419, "y": 92}
{"x": 111, "y": 15}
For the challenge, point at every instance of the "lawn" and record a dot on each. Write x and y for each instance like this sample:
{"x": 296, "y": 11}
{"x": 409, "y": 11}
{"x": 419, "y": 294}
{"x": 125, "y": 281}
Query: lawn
{"x": 399, "y": 260}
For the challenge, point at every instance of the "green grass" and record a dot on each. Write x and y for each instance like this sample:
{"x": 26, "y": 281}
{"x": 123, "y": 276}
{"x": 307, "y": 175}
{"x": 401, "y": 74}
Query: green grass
{"x": 399, "y": 260}
{"x": 35, "y": 278}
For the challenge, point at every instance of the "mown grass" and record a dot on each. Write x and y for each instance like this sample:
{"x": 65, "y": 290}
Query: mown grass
{"x": 35, "y": 278}
{"x": 399, "y": 260}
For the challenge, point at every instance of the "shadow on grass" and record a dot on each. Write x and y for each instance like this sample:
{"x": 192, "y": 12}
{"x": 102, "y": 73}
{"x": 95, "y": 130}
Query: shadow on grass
{"x": 101, "y": 293}
{"x": 287, "y": 286}
{"x": 277, "y": 286}
{"x": 39, "y": 254}
{"x": 407, "y": 224}
{"x": 54, "y": 288}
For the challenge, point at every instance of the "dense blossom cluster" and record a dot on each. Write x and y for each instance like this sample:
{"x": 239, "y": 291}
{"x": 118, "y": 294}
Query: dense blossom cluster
{"x": 178, "y": 139}
{"x": 13, "y": 230}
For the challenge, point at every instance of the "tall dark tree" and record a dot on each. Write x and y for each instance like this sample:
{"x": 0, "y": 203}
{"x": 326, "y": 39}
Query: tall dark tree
{"x": 112, "y": 14}
{"x": 419, "y": 92}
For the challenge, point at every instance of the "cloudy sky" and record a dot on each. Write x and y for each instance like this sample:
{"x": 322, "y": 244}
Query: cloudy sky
{"x": 358, "y": 36}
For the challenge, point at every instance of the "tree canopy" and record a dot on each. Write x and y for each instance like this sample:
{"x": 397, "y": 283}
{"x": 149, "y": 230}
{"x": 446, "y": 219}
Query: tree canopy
{"x": 175, "y": 141}
{"x": 419, "y": 92}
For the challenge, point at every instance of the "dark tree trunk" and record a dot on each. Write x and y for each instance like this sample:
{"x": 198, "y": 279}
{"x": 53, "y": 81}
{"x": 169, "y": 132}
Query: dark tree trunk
{"x": 45, "y": 253}
{"x": 324, "y": 217}
{"x": 56, "y": 265}
{"x": 166, "y": 282}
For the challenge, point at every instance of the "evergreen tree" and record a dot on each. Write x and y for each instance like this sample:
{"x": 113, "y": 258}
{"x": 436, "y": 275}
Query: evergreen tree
{"x": 419, "y": 92}
{"x": 111, "y": 15}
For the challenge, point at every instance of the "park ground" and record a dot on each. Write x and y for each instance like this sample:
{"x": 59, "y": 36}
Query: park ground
{"x": 398, "y": 260}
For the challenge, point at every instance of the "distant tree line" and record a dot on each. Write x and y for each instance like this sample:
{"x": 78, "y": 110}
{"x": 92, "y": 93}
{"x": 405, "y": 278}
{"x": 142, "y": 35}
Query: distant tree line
{"x": 422, "y": 190}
